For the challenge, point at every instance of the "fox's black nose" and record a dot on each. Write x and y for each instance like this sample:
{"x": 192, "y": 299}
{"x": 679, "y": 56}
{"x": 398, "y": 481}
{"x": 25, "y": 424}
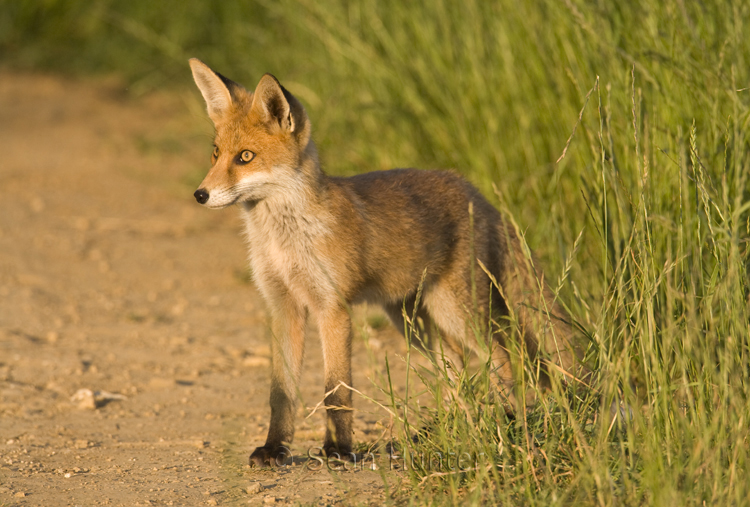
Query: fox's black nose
{"x": 201, "y": 195}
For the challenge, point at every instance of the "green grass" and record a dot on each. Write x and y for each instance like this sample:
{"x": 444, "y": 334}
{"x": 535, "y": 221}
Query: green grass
{"x": 655, "y": 179}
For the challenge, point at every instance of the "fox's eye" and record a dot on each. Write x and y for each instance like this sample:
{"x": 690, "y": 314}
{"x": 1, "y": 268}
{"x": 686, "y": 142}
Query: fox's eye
{"x": 215, "y": 154}
{"x": 246, "y": 156}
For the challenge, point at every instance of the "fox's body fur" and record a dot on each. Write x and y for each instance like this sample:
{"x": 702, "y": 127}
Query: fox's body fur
{"x": 318, "y": 244}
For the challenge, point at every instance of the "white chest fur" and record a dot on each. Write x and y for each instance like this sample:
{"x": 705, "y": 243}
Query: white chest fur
{"x": 285, "y": 242}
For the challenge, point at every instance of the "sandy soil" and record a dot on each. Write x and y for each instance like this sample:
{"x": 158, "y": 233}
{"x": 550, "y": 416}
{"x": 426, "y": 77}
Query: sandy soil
{"x": 112, "y": 279}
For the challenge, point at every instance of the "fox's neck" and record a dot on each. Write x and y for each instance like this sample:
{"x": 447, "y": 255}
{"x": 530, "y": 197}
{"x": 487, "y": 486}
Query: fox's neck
{"x": 309, "y": 167}
{"x": 301, "y": 201}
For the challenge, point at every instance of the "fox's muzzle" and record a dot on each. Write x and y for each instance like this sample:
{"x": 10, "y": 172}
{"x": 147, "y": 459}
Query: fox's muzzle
{"x": 201, "y": 195}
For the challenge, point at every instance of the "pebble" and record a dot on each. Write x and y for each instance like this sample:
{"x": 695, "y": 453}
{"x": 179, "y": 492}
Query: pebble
{"x": 254, "y": 488}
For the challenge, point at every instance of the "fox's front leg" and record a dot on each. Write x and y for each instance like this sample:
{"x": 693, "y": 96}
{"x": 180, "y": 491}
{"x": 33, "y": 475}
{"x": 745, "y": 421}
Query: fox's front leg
{"x": 287, "y": 348}
{"x": 336, "y": 337}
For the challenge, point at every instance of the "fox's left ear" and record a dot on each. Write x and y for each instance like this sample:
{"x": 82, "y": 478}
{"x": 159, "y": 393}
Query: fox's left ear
{"x": 276, "y": 105}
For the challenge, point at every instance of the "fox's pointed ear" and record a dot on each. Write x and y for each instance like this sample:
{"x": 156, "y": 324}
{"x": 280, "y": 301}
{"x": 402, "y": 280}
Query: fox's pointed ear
{"x": 274, "y": 103}
{"x": 215, "y": 89}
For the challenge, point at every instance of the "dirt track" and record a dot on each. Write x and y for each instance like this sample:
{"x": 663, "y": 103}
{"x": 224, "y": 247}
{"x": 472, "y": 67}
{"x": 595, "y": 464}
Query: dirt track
{"x": 113, "y": 279}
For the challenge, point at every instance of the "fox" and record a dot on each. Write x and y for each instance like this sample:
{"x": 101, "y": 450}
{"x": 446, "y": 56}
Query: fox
{"x": 415, "y": 242}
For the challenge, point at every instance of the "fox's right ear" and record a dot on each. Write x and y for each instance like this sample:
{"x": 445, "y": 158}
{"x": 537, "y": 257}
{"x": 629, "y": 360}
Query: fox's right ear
{"x": 215, "y": 89}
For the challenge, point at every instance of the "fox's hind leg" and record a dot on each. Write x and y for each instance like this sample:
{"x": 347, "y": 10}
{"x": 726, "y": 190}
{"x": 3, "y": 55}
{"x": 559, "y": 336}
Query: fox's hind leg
{"x": 287, "y": 348}
{"x": 440, "y": 347}
{"x": 451, "y": 304}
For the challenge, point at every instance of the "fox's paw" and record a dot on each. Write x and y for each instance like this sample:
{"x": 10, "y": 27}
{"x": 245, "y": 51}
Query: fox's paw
{"x": 270, "y": 456}
{"x": 340, "y": 453}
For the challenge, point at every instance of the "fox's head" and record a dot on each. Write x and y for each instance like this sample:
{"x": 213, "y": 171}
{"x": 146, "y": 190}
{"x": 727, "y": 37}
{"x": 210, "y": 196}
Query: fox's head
{"x": 261, "y": 139}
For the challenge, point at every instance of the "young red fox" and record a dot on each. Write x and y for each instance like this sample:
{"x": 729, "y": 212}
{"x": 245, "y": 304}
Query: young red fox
{"x": 319, "y": 244}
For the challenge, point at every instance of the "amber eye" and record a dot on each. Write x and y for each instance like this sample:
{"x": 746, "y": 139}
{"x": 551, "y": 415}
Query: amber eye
{"x": 215, "y": 154}
{"x": 246, "y": 156}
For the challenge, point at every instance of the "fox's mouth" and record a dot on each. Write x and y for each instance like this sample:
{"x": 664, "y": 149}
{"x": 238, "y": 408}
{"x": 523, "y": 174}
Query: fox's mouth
{"x": 250, "y": 192}
{"x": 222, "y": 205}
{"x": 203, "y": 197}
